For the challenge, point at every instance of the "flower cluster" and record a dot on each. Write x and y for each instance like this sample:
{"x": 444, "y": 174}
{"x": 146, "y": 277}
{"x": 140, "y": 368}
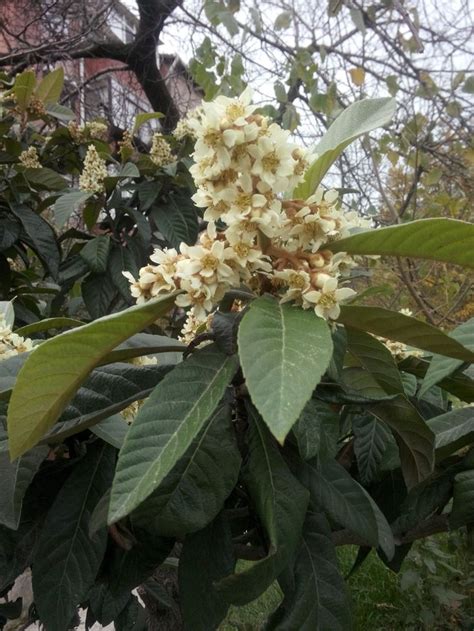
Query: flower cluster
{"x": 184, "y": 128}
{"x": 93, "y": 173}
{"x": 12, "y": 344}
{"x": 243, "y": 164}
{"x": 160, "y": 152}
{"x": 30, "y": 159}
{"x": 89, "y": 131}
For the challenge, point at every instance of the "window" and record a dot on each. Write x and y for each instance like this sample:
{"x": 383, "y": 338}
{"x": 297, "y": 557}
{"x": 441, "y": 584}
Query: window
{"x": 122, "y": 27}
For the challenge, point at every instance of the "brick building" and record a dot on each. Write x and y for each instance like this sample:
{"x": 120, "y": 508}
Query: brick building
{"x": 94, "y": 87}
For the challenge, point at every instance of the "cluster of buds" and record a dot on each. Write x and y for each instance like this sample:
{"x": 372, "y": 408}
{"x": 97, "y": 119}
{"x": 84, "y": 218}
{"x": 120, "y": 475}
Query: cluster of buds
{"x": 160, "y": 152}
{"x": 93, "y": 173}
{"x": 184, "y": 128}
{"x": 12, "y": 344}
{"x": 94, "y": 130}
{"x": 243, "y": 164}
{"x": 30, "y": 159}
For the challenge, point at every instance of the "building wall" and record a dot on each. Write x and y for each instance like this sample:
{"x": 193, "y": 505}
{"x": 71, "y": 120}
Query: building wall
{"x": 116, "y": 96}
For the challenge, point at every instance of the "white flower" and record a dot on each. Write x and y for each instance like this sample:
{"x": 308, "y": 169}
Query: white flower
{"x": 93, "y": 173}
{"x": 202, "y": 264}
{"x": 12, "y": 344}
{"x": 160, "y": 152}
{"x": 326, "y": 301}
{"x": 30, "y": 159}
{"x": 166, "y": 260}
{"x": 296, "y": 281}
{"x": 192, "y": 326}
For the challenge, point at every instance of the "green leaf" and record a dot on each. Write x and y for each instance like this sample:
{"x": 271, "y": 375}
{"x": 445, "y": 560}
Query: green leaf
{"x": 129, "y": 170}
{"x": 441, "y": 367}
{"x": 458, "y": 384}
{"x": 98, "y": 292}
{"x": 402, "y": 328}
{"x": 141, "y": 119}
{"x": 196, "y": 488}
{"x": 61, "y": 112}
{"x": 280, "y": 502}
{"x": 414, "y": 437}
{"x": 105, "y": 606}
{"x": 370, "y": 442}
{"x": 319, "y": 600}
{"x": 9, "y": 231}
{"x": 293, "y": 348}
{"x": 462, "y": 512}
{"x": 112, "y": 430}
{"x": 95, "y": 253}
{"x": 15, "y": 477}
{"x": 423, "y": 501}
{"x": 207, "y": 557}
{"x": 51, "y": 85}
{"x": 376, "y": 359}
{"x": 176, "y": 219}
{"x": 40, "y": 237}
{"x": 166, "y": 426}
{"x": 129, "y": 568}
{"x": 358, "y": 119}
{"x": 49, "y": 379}
{"x": 468, "y": 86}
{"x": 336, "y": 492}
{"x": 453, "y": 431}
{"x": 45, "y": 179}
{"x": 317, "y": 431}
{"x": 68, "y": 204}
{"x": 105, "y": 392}
{"x": 47, "y": 324}
{"x": 67, "y": 560}
{"x": 442, "y": 239}
{"x": 361, "y": 386}
{"x": 24, "y": 88}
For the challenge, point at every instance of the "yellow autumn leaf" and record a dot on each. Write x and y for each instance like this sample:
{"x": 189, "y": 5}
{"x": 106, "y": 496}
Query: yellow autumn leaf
{"x": 357, "y": 76}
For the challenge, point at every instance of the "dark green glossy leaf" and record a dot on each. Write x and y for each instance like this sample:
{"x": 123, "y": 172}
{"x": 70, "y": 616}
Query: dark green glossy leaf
{"x": 67, "y": 560}
{"x": 441, "y": 367}
{"x": 194, "y": 491}
{"x": 317, "y": 431}
{"x": 40, "y": 237}
{"x": 207, "y": 557}
{"x": 166, "y": 426}
{"x": 107, "y": 390}
{"x": 95, "y": 253}
{"x": 402, "y": 328}
{"x": 462, "y": 512}
{"x": 67, "y": 204}
{"x": 370, "y": 443}
{"x": 15, "y": 477}
{"x": 336, "y": 492}
{"x": 376, "y": 359}
{"x": 414, "y": 437}
{"x": 176, "y": 219}
{"x": 319, "y": 600}
{"x": 453, "y": 430}
{"x": 280, "y": 502}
